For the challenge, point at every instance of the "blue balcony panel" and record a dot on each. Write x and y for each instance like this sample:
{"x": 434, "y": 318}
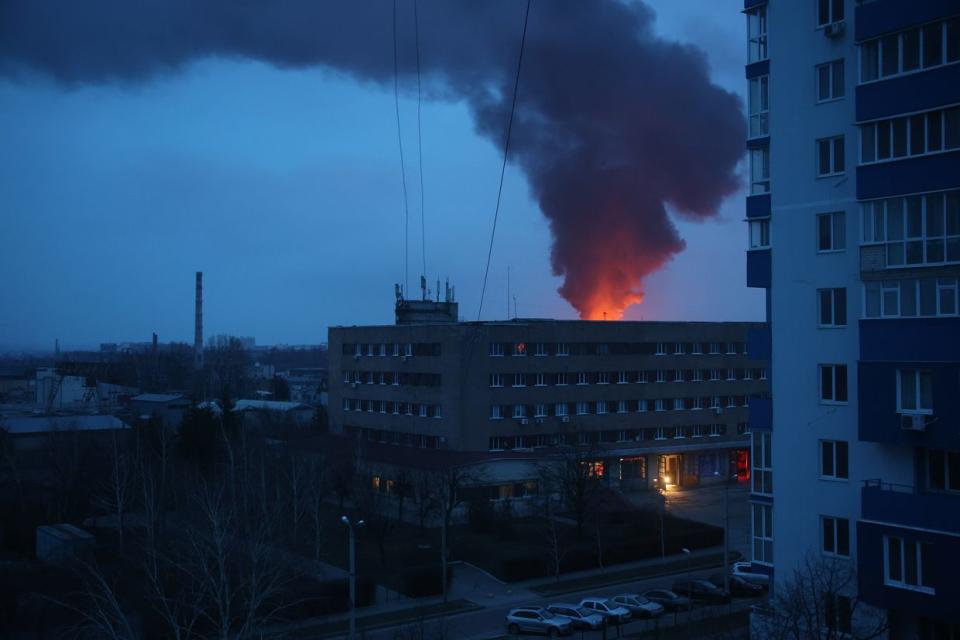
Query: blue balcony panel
{"x": 883, "y": 16}
{"x": 758, "y": 268}
{"x": 941, "y": 605}
{"x": 877, "y": 401}
{"x": 910, "y": 175}
{"x": 907, "y": 506}
{"x": 757, "y": 69}
{"x": 914, "y": 92}
{"x": 760, "y": 417}
{"x": 750, "y": 4}
{"x": 759, "y": 341}
{"x": 758, "y": 206}
{"x": 910, "y": 339}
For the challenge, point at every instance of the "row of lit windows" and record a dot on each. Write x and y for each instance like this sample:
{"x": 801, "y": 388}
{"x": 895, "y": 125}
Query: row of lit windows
{"x": 395, "y": 349}
{"x": 394, "y": 378}
{"x": 583, "y": 378}
{"x": 603, "y": 407}
{"x": 542, "y": 349}
{"x": 420, "y": 409}
{"x": 683, "y": 432}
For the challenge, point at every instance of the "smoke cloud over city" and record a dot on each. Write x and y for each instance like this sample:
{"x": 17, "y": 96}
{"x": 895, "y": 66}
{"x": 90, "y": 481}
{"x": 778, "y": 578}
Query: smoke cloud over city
{"x": 613, "y": 124}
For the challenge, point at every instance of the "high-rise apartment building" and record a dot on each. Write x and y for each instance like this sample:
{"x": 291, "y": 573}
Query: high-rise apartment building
{"x": 854, "y": 232}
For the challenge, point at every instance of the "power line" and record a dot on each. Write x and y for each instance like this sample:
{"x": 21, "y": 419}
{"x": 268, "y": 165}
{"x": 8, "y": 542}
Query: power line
{"x": 423, "y": 225}
{"x": 403, "y": 175}
{"x": 506, "y": 151}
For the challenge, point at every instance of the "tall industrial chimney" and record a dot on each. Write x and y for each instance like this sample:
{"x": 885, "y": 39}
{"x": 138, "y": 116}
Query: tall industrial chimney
{"x": 198, "y": 325}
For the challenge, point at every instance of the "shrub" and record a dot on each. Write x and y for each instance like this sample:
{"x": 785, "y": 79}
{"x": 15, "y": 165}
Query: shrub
{"x": 422, "y": 581}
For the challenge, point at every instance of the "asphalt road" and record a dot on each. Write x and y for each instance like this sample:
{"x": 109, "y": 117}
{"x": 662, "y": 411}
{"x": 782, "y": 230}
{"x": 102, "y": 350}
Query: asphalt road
{"x": 489, "y": 622}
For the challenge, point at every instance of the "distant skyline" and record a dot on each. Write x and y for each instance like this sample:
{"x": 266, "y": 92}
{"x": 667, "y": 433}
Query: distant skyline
{"x": 283, "y": 187}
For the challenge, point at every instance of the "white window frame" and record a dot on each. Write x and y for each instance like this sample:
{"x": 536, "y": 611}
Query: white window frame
{"x": 661, "y": 349}
{"x": 540, "y": 411}
{"x": 658, "y": 404}
{"x": 661, "y": 375}
{"x": 496, "y": 379}
{"x": 835, "y": 143}
{"x": 519, "y": 379}
{"x": 762, "y": 538}
{"x": 697, "y": 375}
{"x": 601, "y": 407}
{"x": 759, "y": 170}
{"x": 918, "y": 376}
{"x": 761, "y": 462}
{"x": 583, "y": 378}
{"x": 833, "y": 367}
{"x": 519, "y": 411}
{"x": 901, "y": 583}
{"x": 830, "y": 69}
{"x": 758, "y": 234}
{"x": 643, "y": 405}
{"x": 678, "y": 404}
{"x": 933, "y": 125}
{"x": 835, "y": 539}
{"x": 583, "y": 408}
{"x": 603, "y": 377}
{"x": 622, "y": 377}
{"x": 757, "y": 44}
{"x": 496, "y": 412}
{"x": 758, "y": 104}
{"x": 496, "y": 349}
{"x": 837, "y": 221}
{"x": 834, "y": 448}
{"x": 922, "y": 63}
{"x": 540, "y": 349}
{"x": 562, "y": 379}
{"x": 563, "y": 349}
{"x": 830, "y": 300}
{"x": 560, "y": 409}
{"x": 832, "y": 6}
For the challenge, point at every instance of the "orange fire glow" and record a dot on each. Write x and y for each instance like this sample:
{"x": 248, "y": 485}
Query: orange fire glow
{"x": 608, "y": 305}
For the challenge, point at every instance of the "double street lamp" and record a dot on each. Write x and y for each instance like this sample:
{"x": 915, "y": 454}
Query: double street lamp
{"x": 353, "y": 573}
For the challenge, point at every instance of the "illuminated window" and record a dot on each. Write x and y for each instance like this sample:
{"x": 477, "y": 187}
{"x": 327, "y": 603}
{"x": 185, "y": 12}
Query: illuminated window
{"x": 593, "y": 469}
{"x": 520, "y": 349}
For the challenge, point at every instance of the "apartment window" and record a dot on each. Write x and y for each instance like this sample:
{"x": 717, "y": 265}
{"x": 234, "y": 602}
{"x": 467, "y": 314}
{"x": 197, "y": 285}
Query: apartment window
{"x": 661, "y": 375}
{"x": 643, "y": 377}
{"x": 660, "y": 433}
{"x": 560, "y": 409}
{"x": 697, "y": 431}
{"x": 835, "y": 539}
{"x": 661, "y": 349}
{"x": 760, "y": 170}
{"x": 763, "y": 374}
{"x": 758, "y": 99}
{"x": 838, "y": 615}
{"x": 621, "y": 406}
{"x": 830, "y": 157}
{"x": 830, "y": 79}
{"x": 519, "y": 380}
{"x": 563, "y": 349}
{"x": 829, "y": 11}
{"x": 601, "y": 407}
{"x": 717, "y": 430}
{"x": 346, "y": 404}
{"x": 833, "y": 383}
{"x": 914, "y": 391}
{"x": 834, "y": 462}
{"x": 908, "y": 564}
{"x": 540, "y": 349}
{"x": 496, "y": 379}
{"x": 678, "y": 349}
{"x": 731, "y": 402}
{"x": 602, "y": 348}
{"x": 678, "y": 404}
{"x": 541, "y": 380}
{"x": 943, "y": 470}
{"x": 583, "y": 377}
{"x": 698, "y": 375}
{"x": 832, "y": 307}
{"x": 540, "y": 411}
{"x": 408, "y": 350}
{"x": 658, "y": 404}
{"x": 678, "y": 375}
{"x": 923, "y": 297}
{"x": 519, "y": 411}
{"x": 731, "y": 374}
{"x": 762, "y": 528}
{"x": 757, "y": 34}
{"x": 561, "y": 379}
{"x": 916, "y": 135}
{"x": 922, "y": 229}
{"x": 622, "y": 377}
{"x": 643, "y": 406}
{"x": 583, "y": 408}
{"x": 715, "y": 402}
{"x": 496, "y": 348}
{"x": 422, "y": 410}
{"x": 759, "y": 233}
{"x": 930, "y": 45}
{"x": 496, "y": 412}
{"x": 762, "y": 460}
{"x": 437, "y": 411}
{"x": 831, "y": 235}
{"x": 603, "y": 377}
{"x": 714, "y": 348}
{"x": 698, "y": 403}
{"x": 696, "y": 349}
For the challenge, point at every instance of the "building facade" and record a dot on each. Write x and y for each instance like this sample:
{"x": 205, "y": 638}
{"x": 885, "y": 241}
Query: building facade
{"x": 655, "y": 402}
{"x": 854, "y": 232}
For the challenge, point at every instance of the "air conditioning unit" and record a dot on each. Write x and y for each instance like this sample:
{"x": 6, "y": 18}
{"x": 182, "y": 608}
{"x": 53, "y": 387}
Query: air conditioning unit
{"x": 565, "y": 419}
{"x": 835, "y": 29}
{"x": 913, "y": 422}
{"x": 524, "y": 421}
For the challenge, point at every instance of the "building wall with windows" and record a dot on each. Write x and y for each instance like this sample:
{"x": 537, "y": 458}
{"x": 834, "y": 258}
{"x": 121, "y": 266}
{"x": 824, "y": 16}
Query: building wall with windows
{"x": 861, "y": 264}
{"x": 624, "y": 389}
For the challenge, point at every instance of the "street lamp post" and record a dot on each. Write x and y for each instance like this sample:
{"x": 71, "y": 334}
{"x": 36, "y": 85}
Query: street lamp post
{"x": 351, "y": 598}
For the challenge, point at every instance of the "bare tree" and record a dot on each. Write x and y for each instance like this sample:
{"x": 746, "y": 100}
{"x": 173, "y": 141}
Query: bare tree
{"x": 446, "y": 488}
{"x": 119, "y": 487}
{"x": 371, "y": 498}
{"x": 316, "y": 490}
{"x": 425, "y": 500}
{"x": 556, "y": 546}
{"x": 572, "y": 474}
{"x": 820, "y": 602}
{"x": 99, "y": 610}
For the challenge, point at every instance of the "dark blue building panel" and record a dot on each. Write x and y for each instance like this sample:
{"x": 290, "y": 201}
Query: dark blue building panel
{"x": 911, "y": 339}
{"x": 909, "y": 93}
{"x": 758, "y": 206}
{"x": 758, "y": 268}
{"x": 942, "y": 569}
{"x": 910, "y": 175}
{"x": 759, "y": 341}
{"x": 883, "y": 16}
{"x": 907, "y": 507}
{"x": 760, "y": 417}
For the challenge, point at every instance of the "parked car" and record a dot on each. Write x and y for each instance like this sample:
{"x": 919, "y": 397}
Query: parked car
{"x": 639, "y": 606}
{"x": 738, "y": 586}
{"x": 537, "y": 620}
{"x": 580, "y": 618}
{"x": 608, "y": 609}
{"x": 745, "y": 571}
{"x": 669, "y": 600}
{"x": 701, "y": 591}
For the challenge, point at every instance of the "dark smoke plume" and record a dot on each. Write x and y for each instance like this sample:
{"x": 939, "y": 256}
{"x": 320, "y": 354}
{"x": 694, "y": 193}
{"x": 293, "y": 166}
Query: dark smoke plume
{"x": 612, "y": 125}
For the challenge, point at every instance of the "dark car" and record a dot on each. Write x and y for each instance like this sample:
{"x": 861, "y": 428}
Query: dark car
{"x": 701, "y": 591}
{"x": 668, "y": 599}
{"x": 738, "y": 586}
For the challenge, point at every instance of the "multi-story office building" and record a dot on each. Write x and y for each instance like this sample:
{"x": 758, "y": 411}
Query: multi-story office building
{"x": 854, "y": 231}
{"x": 655, "y": 402}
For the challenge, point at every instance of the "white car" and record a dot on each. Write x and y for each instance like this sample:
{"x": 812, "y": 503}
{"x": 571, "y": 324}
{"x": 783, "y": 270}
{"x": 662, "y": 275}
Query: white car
{"x": 608, "y": 609}
{"x": 638, "y": 605}
{"x": 579, "y": 617}
{"x": 745, "y": 571}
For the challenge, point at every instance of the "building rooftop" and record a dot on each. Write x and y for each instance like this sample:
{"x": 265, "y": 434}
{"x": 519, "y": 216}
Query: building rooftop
{"x": 158, "y": 397}
{"x": 268, "y": 405}
{"x": 25, "y": 425}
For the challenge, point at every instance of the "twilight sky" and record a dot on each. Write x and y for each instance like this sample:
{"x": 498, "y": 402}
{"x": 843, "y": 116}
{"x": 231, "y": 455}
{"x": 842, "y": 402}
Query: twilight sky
{"x": 283, "y": 186}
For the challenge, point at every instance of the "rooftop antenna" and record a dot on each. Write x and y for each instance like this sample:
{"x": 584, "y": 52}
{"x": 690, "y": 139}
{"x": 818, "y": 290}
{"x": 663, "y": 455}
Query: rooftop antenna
{"x": 423, "y": 288}
{"x": 516, "y": 314}
{"x": 438, "y": 289}
{"x": 508, "y": 292}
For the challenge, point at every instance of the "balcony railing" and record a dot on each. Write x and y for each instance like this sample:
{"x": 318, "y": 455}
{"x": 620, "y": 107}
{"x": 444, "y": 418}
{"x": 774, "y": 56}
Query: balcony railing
{"x": 910, "y": 506}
